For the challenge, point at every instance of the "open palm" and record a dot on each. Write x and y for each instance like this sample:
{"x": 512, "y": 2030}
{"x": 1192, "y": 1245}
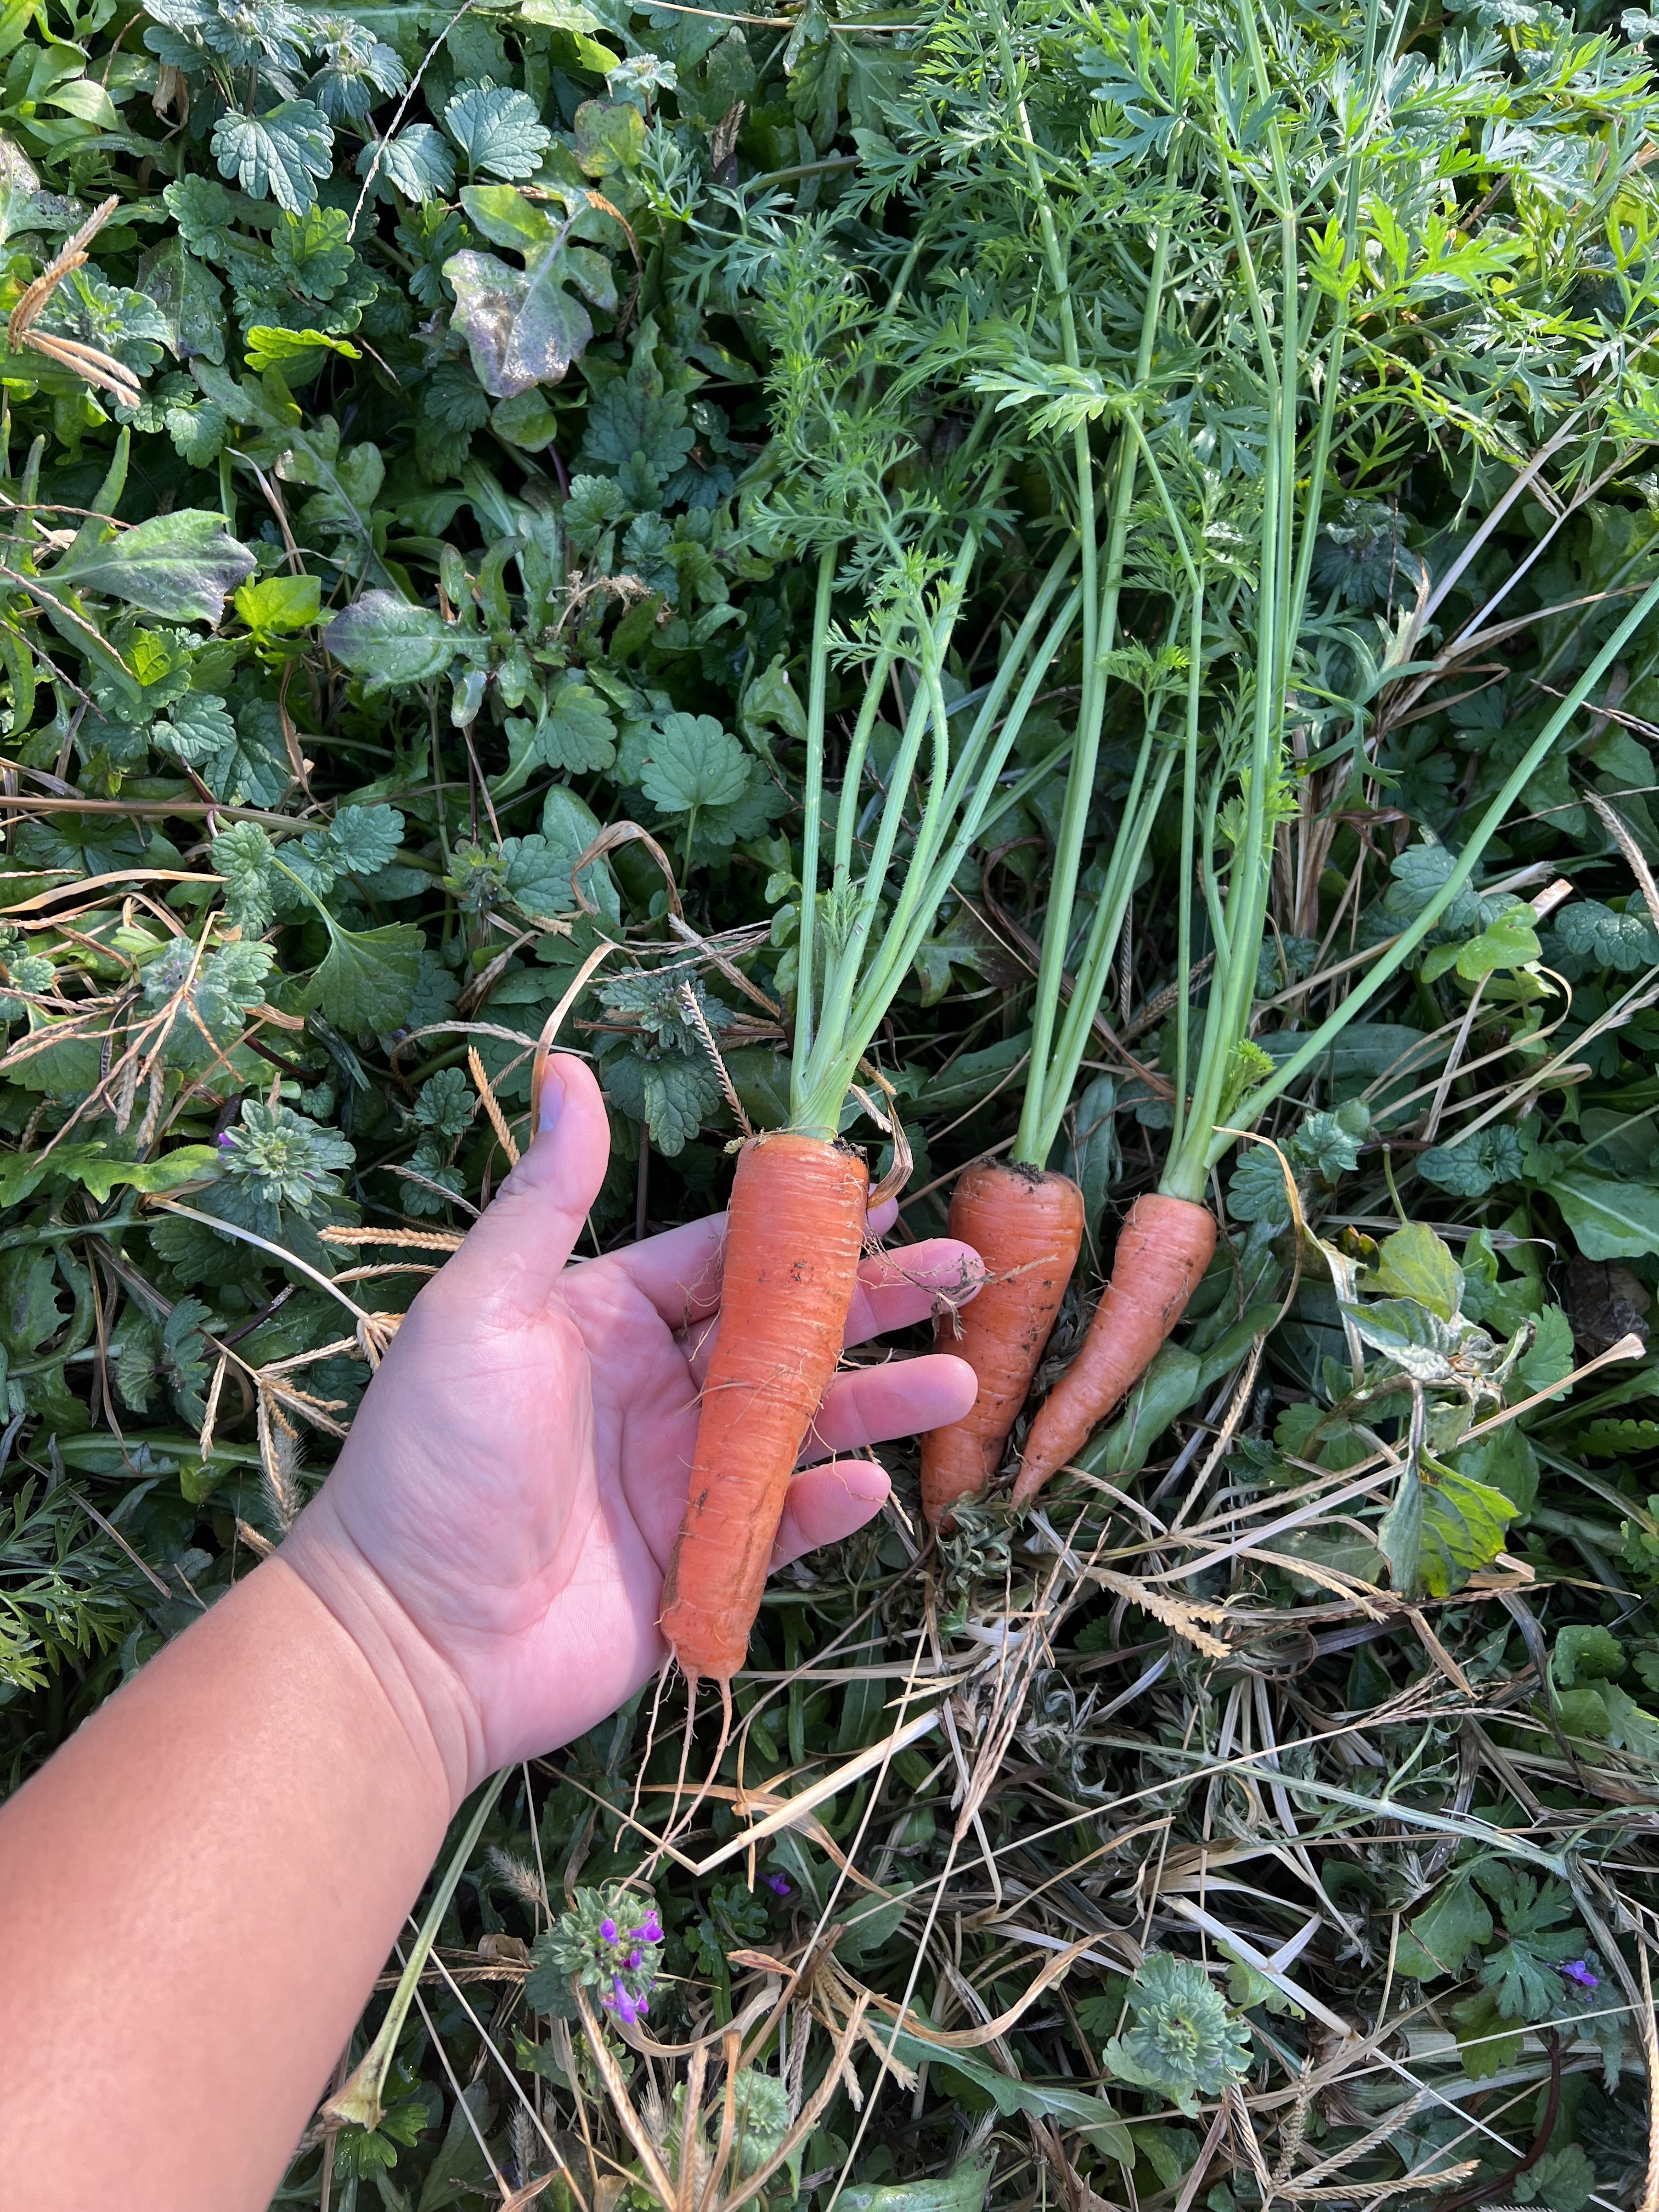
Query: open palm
{"x": 515, "y": 1479}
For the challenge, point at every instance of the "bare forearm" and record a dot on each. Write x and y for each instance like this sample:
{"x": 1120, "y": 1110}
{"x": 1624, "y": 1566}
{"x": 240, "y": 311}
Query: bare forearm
{"x": 195, "y": 1896}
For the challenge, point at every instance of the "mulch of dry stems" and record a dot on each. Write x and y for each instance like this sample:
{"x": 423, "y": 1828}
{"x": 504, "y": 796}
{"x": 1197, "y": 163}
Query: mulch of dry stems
{"x": 1158, "y": 1795}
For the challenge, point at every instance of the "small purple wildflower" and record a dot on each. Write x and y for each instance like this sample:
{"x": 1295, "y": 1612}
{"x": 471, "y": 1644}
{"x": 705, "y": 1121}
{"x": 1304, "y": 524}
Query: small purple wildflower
{"x": 649, "y": 1933}
{"x": 642, "y": 2009}
{"x": 626, "y": 2009}
{"x": 779, "y": 1884}
{"x": 1576, "y": 1971}
{"x": 608, "y": 1929}
{"x": 225, "y": 1141}
{"x": 634, "y": 1959}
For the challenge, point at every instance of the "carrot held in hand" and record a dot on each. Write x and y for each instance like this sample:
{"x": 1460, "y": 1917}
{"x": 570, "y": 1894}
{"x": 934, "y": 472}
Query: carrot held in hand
{"x": 793, "y": 1240}
{"x": 1028, "y": 1226}
{"x": 1163, "y": 1250}
{"x": 800, "y": 1199}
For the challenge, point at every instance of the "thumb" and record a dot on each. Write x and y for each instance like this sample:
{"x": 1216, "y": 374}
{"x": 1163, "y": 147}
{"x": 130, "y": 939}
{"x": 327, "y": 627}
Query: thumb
{"x": 513, "y": 1255}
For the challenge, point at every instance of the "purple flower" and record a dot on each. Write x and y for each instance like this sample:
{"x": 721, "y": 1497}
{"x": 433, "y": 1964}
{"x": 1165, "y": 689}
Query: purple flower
{"x": 225, "y": 1141}
{"x": 778, "y": 1884}
{"x": 627, "y": 2010}
{"x": 608, "y": 1929}
{"x": 649, "y": 1933}
{"x": 634, "y": 1959}
{"x": 1576, "y": 1971}
{"x": 642, "y": 2008}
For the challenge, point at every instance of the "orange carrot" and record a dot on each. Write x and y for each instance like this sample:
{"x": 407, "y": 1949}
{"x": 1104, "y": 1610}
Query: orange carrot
{"x": 1163, "y": 1250}
{"x": 793, "y": 1236}
{"x": 1027, "y": 1227}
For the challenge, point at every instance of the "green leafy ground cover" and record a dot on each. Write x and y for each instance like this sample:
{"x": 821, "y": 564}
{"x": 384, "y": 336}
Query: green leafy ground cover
{"x": 500, "y": 376}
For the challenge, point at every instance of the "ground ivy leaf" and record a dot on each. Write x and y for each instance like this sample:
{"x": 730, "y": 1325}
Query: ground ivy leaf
{"x": 498, "y": 130}
{"x": 1469, "y": 1169}
{"x": 366, "y": 981}
{"x": 673, "y": 1094}
{"x": 691, "y": 761}
{"x": 277, "y": 156}
{"x": 416, "y": 163}
{"x": 363, "y": 840}
{"x": 1593, "y": 932}
{"x": 1415, "y": 1263}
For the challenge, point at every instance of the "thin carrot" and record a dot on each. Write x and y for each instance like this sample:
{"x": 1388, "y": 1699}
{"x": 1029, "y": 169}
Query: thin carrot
{"x": 1028, "y": 1225}
{"x": 1163, "y": 1250}
{"x": 793, "y": 1236}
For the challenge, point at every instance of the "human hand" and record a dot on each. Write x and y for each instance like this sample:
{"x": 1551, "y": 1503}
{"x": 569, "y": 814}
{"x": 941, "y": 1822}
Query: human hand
{"x": 499, "y": 1522}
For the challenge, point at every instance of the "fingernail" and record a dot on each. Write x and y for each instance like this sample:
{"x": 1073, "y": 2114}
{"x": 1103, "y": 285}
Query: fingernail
{"x": 549, "y": 1100}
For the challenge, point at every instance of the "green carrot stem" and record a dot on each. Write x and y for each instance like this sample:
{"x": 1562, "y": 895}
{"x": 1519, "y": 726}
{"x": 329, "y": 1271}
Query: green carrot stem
{"x": 1188, "y": 807}
{"x": 813, "y": 803}
{"x": 1251, "y": 1108}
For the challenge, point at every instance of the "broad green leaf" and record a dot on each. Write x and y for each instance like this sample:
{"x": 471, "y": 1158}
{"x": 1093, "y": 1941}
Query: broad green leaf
{"x": 1586, "y": 1652}
{"x": 279, "y": 603}
{"x": 525, "y": 327}
{"x": 87, "y": 100}
{"x": 610, "y": 136}
{"x": 188, "y": 295}
{"x": 1593, "y": 933}
{"x": 576, "y": 734}
{"x": 1462, "y": 1528}
{"x": 270, "y": 346}
{"x": 1416, "y": 1340}
{"x": 360, "y": 840}
{"x": 390, "y": 642}
{"x": 1630, "y": 1728}
{"x": 675, "y": 1094}
{"x": 964, "y": 2189}
{"x": 1470, "y": 1169}
{"x": 1509, "y": 940}
{"x": 367, "y": 980}
{"x": 1610, "y": 1220}
{"x": 1415, "y": 1263}
{"x": 570, "y": 825}
{"x": 1504, "y": 1461}
{"x": 871, "y": 1922}
{"x": 1552, "y": 1358}
{"x": 1169, "y": 1385}
{"x": 1440, "y": 1937}
{"x": 29, "y": 1310}
{"x": 179, "y": 566}
{"x": 1485, "y": 2044}
{"x": 770, "y": 701}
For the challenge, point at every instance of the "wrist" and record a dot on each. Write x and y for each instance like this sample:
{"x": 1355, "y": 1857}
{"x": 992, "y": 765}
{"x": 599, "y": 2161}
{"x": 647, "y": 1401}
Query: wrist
{"x": 422, "y": 1690}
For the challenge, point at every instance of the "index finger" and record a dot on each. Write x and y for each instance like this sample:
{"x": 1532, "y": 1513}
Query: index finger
{"x": 679, "y": 1271}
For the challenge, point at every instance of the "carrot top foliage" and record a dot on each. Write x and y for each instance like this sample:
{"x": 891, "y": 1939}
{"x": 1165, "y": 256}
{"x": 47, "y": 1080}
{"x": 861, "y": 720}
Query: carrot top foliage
{"x": 1098, "y": 565}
